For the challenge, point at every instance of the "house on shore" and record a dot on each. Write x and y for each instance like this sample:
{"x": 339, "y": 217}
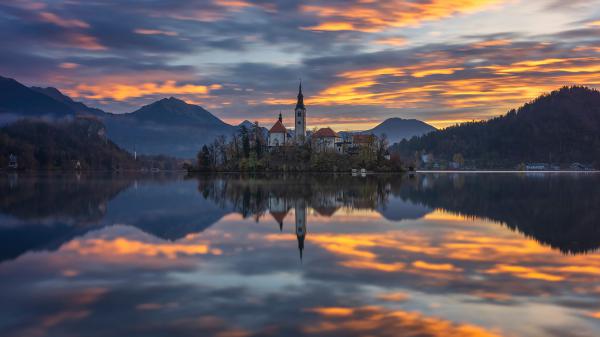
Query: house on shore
{"x": 327, "y": 140}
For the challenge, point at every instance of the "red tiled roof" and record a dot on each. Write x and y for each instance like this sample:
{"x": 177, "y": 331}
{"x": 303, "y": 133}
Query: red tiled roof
{"x": 325, "y": 133}
{"x": 278, "y": 128}
{"x": 279, "y": 216}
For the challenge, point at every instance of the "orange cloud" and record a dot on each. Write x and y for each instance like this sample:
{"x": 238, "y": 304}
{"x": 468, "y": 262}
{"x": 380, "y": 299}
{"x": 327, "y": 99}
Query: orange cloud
{"x": 124, "y": 246}
{"x": 155, "y": 32}
{"x": 370, "y": 16}
{"x": 392, "y": 41}
{"x": 524, "y": 272}
{"x": 65, "y": 23}
{"x": 377, "y": 321}
{"x": 85, "y": 42}
{"x": 435, "y": 266}
{"x": 68, "y": 65}
{"x": 121, "y": 92}
{"x": 332, "y": 311}
{"x": 336, "y": 26}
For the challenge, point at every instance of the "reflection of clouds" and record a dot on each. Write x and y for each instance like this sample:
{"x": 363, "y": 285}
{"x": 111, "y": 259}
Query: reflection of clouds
{"x": 125, "y": 247}
{"x": 377, "y": 321}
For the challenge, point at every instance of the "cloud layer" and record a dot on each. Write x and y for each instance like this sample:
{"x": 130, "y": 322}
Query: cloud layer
{"x": 360, "y": 61}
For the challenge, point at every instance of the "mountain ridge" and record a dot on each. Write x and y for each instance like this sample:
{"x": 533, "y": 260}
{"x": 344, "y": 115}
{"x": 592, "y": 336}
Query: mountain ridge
{"x": 560, "y": 127}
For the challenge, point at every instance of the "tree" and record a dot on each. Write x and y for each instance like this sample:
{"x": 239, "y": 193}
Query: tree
{"x": 245, "y": 141}
{"x": 258, "y": 140}
{"x": 458, "y": 159}
{"x": 204, "y": 159}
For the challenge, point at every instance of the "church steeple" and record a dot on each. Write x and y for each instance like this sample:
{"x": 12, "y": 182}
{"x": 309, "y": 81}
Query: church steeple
{"x": 300, "y": 103}
{"x": 300, "y": 118}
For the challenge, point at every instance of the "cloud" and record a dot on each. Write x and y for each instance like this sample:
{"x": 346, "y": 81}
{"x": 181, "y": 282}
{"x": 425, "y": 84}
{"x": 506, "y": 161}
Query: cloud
{"x": 122, "y": 92}
{"x": 373, "y": 16}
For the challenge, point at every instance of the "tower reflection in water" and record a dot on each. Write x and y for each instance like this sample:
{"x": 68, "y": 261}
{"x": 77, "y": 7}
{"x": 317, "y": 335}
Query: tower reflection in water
{"x": 280, "y": 207}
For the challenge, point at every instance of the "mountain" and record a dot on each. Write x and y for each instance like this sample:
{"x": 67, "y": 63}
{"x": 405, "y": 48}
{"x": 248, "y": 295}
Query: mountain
{"x": 169, "y": 126}
{"x": 397, "y": 129}
{"x": 17, "y": 101}
{"x": 561, "y": 127}
{"x": 77, "y": 107}
{"x": 173, "y": 111}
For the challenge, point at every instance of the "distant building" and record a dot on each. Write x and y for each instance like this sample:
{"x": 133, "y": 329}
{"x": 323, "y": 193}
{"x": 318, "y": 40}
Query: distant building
{"x": 426, "y": 158}
{"x": 536, "y": 166}
{"x": 325, "y": 140}
{"x": 363, "y": 140}
{"x": 278, "y": 134}
{"x": 12, "y": 161}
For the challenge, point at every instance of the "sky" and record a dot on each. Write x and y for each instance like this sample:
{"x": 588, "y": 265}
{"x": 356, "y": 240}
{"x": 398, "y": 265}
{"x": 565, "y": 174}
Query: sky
{"x": 360, "y": 61}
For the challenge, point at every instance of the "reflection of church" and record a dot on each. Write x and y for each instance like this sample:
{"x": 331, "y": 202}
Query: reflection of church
{"x": 279, "y": 208}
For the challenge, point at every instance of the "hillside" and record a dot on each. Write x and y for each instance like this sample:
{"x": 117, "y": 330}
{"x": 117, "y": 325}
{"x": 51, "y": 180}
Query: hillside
{"x": 169, "y": 126}
{"x": 44, "y": 146}
{"x": 19, "y": 101}
{"x": 76, "y": 107}
{"x": 561, "y": 128}
{"x": 397, "y": 129}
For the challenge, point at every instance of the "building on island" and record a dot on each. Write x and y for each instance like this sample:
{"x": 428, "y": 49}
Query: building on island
{"x": 323, "y": 140}
{"x": 326, "y": 140}
{"x": 278, "y": 134}
{"x": 300, "y": 118}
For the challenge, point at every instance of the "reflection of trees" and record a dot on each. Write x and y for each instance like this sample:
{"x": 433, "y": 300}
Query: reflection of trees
{"x": 68, "y": 198}
{"x": 255, "y": 195}
{"x": 558, "y": 210}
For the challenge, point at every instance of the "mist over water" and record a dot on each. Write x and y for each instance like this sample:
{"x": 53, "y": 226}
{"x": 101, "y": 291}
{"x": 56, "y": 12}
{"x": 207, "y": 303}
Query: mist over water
{"x": 448, "y": 254}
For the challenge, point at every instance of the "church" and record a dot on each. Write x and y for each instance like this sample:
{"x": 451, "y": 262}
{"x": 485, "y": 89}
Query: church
{"x": 280, "y": 136}
{"x": 323, "y": 140}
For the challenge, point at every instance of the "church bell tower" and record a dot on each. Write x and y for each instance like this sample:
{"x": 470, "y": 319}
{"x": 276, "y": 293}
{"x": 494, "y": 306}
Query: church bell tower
{"x": 300, "y": 117}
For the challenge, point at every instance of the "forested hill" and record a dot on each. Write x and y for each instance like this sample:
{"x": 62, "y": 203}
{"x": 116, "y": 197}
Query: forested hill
{"x": 561, "y": 128}
{"x": 46, "y": 146}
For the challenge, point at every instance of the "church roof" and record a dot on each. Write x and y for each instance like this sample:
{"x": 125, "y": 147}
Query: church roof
{"x": 279, "y": 216}
{"x": 300, "y": 103}
{"x": 278, "y": 128}
{"x": 325, "y": 133}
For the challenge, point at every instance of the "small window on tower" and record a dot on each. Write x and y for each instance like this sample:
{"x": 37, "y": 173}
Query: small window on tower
{"x": 299, "y": 122}
{"x": 299, "y": 114}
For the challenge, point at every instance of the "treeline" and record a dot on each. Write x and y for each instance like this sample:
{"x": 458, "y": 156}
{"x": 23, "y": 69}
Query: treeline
{"x": 247, "y": 150}
{"x": 78, "y": 143}
{"x": 561, "y": 127}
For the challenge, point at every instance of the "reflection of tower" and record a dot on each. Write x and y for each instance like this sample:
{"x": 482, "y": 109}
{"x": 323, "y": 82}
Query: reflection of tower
{"x": 300, "y": 210}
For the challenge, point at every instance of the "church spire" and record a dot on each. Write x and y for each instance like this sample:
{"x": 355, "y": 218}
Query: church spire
{"x": 300, "y": 103}
{"x": 280, "y": 117}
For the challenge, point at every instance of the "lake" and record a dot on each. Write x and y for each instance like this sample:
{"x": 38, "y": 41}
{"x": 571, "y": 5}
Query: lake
{"x": 434, "y": 254}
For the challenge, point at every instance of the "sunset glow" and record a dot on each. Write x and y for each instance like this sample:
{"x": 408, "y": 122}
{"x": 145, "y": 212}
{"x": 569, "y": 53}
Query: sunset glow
{"x": 443, "y": 62}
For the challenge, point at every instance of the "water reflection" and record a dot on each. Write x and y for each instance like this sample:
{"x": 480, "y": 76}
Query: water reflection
{"x": 432, "y": 255}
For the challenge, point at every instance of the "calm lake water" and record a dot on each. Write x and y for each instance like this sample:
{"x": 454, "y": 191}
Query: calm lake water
{"x": 469, "y": 254}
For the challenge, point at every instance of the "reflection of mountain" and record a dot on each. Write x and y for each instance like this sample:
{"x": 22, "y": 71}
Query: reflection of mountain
{"x": 398, "y": 209}
{"x": 42, "y": 213}
{"x": 558, "y": 210}
{"x": 169, "y": 211}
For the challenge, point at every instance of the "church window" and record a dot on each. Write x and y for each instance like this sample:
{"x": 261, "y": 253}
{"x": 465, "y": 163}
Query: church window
{"x": 299, "y": 122}
{"x": 299, "y": 114}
